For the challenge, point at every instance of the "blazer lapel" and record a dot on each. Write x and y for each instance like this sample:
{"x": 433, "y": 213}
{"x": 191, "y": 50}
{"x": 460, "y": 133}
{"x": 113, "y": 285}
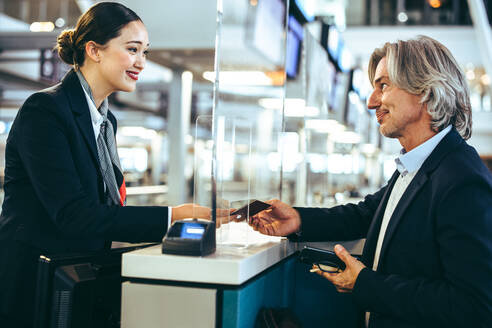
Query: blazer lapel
{"x": 373, "y": 232}
{"x": 82, "y": 116}
{"x": 451, "y": 140}
{"x": 412, "y": 190}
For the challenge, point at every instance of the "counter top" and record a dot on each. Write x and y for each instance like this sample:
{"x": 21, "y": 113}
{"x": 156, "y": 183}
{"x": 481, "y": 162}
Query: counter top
{"x": 231, "y": 264}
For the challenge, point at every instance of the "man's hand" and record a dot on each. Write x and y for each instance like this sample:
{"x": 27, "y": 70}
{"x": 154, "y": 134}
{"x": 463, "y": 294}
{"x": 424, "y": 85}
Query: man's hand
{"x": 224, "y": 217}
{"x": 278, "y": 220}
{"x": 344, "y": 281}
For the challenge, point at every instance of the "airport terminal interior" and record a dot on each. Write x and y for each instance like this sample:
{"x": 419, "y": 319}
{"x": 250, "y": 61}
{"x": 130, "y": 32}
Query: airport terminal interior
{"x": 243, "y": 100}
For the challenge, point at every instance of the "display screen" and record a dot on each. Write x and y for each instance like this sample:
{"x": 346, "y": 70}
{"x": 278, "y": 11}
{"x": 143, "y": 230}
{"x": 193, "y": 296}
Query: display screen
{"x": 294, "y": 39}
{"x": 331, "y": 86}
{"x": 301, "y": 5}
{"x": 357, "y": 80}
{"x": 191, "y": 230}
{"x": 187, "y": 230}
{"x": 268, "y": 29}
{"x": 333, "y": 42}
{"x": 344, "y": 58}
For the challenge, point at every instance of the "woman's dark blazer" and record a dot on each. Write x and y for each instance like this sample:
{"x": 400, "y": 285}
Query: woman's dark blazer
{"x": 54, "y": 193}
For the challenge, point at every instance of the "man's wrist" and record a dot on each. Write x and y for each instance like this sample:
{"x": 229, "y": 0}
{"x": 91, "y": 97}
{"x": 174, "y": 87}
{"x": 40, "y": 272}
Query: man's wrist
{"x": 298, "y": 232}
{"x": 299, "y": 229}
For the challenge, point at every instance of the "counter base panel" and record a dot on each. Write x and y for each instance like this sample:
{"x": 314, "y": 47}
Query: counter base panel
{"x": 167, "y": 306}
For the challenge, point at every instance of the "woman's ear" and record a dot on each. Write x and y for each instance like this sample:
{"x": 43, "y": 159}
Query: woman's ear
{"x": 92, "y": 51}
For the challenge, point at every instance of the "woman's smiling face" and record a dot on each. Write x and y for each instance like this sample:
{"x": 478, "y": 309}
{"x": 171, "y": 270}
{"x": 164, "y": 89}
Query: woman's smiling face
{"x": 123, "y": 58}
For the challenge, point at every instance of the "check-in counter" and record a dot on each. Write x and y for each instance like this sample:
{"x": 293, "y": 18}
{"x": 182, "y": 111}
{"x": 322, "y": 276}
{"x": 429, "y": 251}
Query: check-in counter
{"x": 224, "y": 289}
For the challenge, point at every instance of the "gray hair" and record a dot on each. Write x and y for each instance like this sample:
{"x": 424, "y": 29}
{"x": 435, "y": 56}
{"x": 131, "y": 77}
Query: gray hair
{"x": 425, "y": 67}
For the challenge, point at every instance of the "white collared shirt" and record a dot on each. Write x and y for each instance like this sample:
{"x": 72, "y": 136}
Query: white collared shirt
{"x": 96, "y": 117}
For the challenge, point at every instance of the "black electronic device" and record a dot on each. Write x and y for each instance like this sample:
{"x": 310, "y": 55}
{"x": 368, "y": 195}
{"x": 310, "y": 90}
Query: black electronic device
{"x": 190, "y": 237}
{"x": 80, "y": 290}
{"x": 323, "y": 257}
{"x": 248, "y": 210}
{"x": 297, "y": 8}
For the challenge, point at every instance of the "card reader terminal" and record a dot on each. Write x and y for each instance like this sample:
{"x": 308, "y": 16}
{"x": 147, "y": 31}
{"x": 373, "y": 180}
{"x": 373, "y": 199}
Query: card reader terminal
{"x": 190, "y": 237}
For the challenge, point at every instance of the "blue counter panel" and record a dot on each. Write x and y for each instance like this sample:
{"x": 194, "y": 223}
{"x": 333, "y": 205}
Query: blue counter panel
{"x": 318, "y": 304}
{"x": 270, "y": 289}
{"x": 289, "y": 284}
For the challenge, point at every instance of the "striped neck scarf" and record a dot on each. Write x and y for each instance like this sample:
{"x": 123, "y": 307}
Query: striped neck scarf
{"x": 109, "y": 162}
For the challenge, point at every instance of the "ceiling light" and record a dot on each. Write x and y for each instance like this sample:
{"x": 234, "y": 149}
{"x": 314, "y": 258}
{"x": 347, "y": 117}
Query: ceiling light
{"x": 435, "y": 3}
{"x": 309, "y": 111}
{"x": 137, "y": 131}
{"x": 402, "y": 17}
{"x": 485, "y": 79}
{"x": 293, "y": 107}
{"x": 348, "y": 137}
{"x": 368, "y": 149}
{"x": 327, "y": 126}
{"x": 60, "y": 22}
{"x": 42, "y": 27}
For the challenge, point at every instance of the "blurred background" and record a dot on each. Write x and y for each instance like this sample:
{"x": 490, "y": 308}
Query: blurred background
{"x": 274, "y": 90}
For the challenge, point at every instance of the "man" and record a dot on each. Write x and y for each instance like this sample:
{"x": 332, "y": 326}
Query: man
{"x": 427, "y": 260}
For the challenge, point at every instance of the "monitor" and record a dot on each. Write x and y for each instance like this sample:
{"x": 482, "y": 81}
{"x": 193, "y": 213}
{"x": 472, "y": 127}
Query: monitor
{"x": 299, "y": 10}
{"x": 331, "y": 39}
{"x": 294, "y": 42}
{"x": 331, "y": 91}
{"x": 268, "y": 30}
{"x": 80, "y": 290}
{"x": 344, "y": 57}
{"x": 357, "y": 76}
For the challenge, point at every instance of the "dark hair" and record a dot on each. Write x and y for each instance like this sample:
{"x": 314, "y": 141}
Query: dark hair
{"x": 101, "y": 23}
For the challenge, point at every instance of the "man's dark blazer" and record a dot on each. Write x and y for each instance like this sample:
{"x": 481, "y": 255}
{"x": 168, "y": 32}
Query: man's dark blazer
{"x": 54, "y": 192}
{"x": 435, "y": 266}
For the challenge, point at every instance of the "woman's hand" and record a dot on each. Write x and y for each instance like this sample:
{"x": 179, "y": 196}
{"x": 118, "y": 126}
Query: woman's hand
{"x": 193, "y": 211}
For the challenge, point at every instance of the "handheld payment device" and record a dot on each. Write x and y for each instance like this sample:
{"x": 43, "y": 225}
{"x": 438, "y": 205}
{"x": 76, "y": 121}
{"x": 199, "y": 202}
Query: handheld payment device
{"x": 190, "y": 237}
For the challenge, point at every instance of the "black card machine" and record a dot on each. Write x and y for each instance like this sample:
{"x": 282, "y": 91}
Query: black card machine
{"x": 190, "y": 237}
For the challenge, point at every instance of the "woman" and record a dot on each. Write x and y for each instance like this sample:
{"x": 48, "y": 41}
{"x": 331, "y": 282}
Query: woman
{"x": 64, "y": 187}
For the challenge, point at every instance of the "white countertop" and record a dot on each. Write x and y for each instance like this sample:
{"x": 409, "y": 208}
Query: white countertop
{"x": 233, "y": 263}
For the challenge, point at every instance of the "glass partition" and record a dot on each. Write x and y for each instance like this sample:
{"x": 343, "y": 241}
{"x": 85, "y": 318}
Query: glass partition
{"x": 249, "y": 89}
{"x": 289, "y": 119}
{"x": 202, "y": 166}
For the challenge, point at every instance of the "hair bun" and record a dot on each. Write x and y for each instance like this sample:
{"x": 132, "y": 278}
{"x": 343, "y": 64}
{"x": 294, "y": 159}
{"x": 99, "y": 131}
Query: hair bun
{"x": 65, "y": 46}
